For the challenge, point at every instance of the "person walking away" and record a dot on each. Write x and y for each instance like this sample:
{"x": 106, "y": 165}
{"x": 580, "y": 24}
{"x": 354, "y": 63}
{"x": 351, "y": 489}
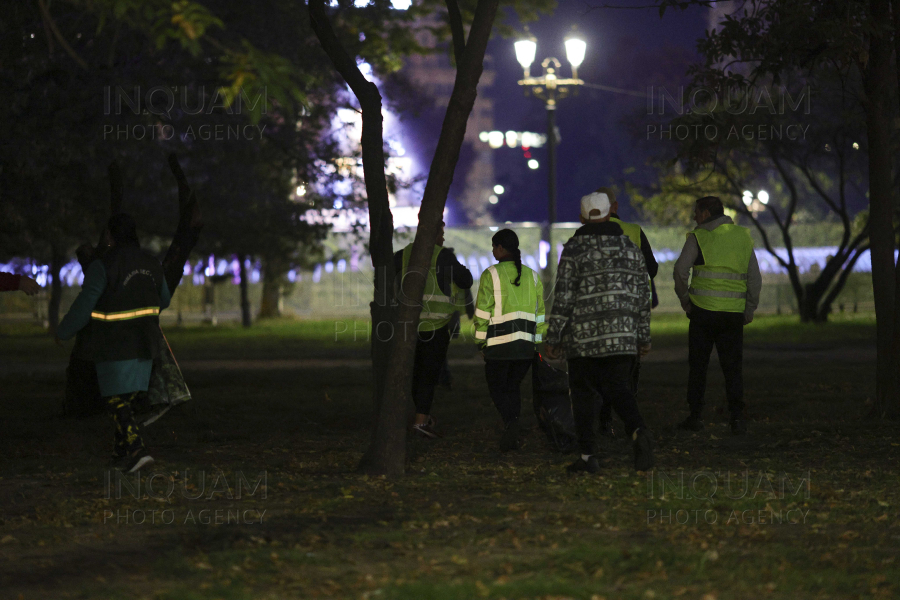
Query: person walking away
{"x": 601, "y": 321}
{"x": 445, "y": 281}
{"x": 121, "y": 298}
{"x": 509, "y": 321}
{"x": 721, "y": 298}
{"x": 636, "y": 234}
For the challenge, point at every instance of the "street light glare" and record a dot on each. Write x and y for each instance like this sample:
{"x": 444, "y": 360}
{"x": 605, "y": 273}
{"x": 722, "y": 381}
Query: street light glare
{"x": 763, "y": 196}
{"x": 499, "y": 189}
{"x": 575, "y": 49}
{"x": 533, "y": 164}
{"x": 493, "y": 199}
{"x": 525, "y": 51}
{"x": 747, "y": 200}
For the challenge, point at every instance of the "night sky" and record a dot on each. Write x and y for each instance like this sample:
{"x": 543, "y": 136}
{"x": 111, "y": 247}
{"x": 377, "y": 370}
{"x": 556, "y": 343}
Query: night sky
{"x": 626, "y": 48}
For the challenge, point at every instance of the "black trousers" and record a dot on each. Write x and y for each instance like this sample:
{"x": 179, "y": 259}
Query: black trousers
{"x": 611, "y": 378}
{"x": 504, "y": 379}
{"x": 431, "y": 352}
{"x": 725, "y": 331}
{"x": 606, "y": 407}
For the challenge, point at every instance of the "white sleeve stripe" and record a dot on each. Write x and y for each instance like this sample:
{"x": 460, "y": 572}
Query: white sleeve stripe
{"x": 498, "y": 292}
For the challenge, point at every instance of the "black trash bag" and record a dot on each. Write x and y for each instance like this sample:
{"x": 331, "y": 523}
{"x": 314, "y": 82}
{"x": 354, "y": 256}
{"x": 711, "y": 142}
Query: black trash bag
{"x": 167, "y": 386}
{"x": 82, "y": 398}
{"x": 552, "y": 404}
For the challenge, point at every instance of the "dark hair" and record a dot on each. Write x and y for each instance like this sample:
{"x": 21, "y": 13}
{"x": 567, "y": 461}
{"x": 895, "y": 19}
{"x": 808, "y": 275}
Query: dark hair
{"x": 609, "y": 193}
{"x": 123, "y": 230}
{"x": 510, "y": 242}
{"x": 713, "y": 204}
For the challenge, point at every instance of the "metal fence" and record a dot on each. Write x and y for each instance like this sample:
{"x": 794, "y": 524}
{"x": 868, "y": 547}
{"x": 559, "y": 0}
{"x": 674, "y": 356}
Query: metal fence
{"x": 342, "y": 284}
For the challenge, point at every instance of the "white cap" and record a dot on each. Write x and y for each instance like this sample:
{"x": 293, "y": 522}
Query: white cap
{"x": 596, "y": 201}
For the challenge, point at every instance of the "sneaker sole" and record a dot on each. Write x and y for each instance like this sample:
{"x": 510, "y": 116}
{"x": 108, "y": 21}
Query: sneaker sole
{"x": 426, "y": 434}
{"x": 143, "y": 462}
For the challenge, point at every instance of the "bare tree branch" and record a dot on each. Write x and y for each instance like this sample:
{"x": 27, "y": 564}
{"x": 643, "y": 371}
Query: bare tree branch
{"x": 456, "y": 28}
{"x": 62, "y": 41}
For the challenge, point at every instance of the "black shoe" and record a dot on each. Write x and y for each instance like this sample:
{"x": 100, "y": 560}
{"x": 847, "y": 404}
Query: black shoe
{"x": 135, "y": 462}
{"x": 738, "y": 426}
{"x": 643, "y": 451}
{"x": 692, "y": 423}
{"x": 510, "y": 439}
{"x": 426, "y": 429}
{"x": 606, "y": 429}
{"x": 584, "y": 466}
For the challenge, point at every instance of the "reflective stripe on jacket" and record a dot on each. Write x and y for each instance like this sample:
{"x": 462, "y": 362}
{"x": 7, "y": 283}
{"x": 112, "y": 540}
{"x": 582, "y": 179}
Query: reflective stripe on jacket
{"x": 436, "y": 307}
{"x": 720, "y": 283}
{"x": 509, "y": 319}
{"x": 125, "y": 319}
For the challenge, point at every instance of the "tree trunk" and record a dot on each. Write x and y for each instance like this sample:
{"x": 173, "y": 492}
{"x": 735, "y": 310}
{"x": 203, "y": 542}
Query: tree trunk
{"x": 431, "y": 212}
{"x": 877, "y": 82}
{"x": 381, "y": 231}
{"x": 57, "y": 260}
{"x": 246, "y": 320}
{"x": 271, "y": 304}
{"x": 387, "y": 454}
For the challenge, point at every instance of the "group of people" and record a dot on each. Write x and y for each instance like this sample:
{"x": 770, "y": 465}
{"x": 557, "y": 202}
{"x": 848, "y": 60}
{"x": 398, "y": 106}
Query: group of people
{"x": 599, "y": 322}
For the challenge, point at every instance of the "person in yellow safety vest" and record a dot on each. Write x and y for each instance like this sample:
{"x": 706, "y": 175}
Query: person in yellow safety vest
{"x": 509, "y": 321}
{"x": 445, "y": 283}
{"x": 721, "y": 298}
{"x": 636, "y": 235}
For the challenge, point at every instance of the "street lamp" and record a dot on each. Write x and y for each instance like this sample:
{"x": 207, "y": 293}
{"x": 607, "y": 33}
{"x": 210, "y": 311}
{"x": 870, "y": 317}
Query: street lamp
{"x": 550, "y": 88}
{"x": 755, "y": 205}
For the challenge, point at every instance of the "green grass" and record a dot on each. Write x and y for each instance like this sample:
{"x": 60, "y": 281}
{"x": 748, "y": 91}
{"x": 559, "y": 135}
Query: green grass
{"x": 466, "y": 521}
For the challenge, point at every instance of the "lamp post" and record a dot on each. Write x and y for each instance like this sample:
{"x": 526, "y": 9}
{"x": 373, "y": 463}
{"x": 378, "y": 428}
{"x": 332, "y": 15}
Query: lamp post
{"x": 550, "y": 88}
{"x": 756, "y": 204}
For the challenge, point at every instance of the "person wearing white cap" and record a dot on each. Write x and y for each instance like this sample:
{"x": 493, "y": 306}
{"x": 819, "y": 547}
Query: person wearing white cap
{"x": 601, "y": 321}
{"x": 636, "y": 235}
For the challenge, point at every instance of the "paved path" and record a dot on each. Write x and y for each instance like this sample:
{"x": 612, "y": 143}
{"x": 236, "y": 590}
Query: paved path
{"x": 856, "y": 354}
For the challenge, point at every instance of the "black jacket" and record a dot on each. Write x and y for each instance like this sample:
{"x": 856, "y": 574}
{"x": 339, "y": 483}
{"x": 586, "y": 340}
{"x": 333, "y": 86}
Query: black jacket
{"x": 126, "y": 316}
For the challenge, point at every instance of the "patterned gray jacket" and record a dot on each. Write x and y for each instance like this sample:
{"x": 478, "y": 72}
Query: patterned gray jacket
{"x": 601, "y": 301}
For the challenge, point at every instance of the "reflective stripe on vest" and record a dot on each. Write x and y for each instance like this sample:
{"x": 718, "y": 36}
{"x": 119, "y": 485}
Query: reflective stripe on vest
{"x": 125, "y": 315}
{"x": 521, "y": 320}
{"x": 436, "y": 307}
{"x": 720, "y": 284}
{"x": 719, "y": 275}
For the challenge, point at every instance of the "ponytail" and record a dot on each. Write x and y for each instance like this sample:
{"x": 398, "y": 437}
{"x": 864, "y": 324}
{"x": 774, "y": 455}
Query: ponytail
{"x": 518, "y": 259}
{"x": 510, "y": 242}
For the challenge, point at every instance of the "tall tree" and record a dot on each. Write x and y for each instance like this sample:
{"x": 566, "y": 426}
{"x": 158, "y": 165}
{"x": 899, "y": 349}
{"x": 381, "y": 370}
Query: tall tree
{"x": 393, "y": 354}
